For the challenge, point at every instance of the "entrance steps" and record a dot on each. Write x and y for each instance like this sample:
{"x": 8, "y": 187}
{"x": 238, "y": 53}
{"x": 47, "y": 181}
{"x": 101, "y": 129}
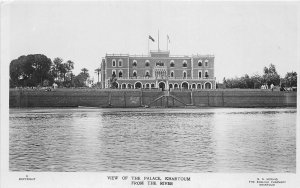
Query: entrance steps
{"x": 165, "y": 99}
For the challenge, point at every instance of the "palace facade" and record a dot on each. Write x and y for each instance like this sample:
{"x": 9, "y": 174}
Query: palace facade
{"x": 158, "y": 70}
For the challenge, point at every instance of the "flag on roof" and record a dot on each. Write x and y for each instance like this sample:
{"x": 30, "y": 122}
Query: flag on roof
{"x": 151, "y": 38}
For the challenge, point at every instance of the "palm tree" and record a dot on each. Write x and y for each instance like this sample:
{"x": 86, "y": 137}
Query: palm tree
{"x": 84, "y": 70}
{"x": 56, "y": 67}
{"x": 98, "y": 70}
{"x": 85, "y": 73}
{"x": 70, "y": 65}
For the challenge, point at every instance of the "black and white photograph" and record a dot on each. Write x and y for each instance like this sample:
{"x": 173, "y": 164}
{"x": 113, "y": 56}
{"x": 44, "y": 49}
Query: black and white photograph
{"x": 149, "y": 94}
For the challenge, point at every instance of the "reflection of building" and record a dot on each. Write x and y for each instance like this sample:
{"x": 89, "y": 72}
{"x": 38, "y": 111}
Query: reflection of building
{"x": 159, "y": 70}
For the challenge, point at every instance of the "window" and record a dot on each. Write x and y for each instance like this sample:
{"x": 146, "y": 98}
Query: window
{"x": 184, "y": 63}
{"x": 113, "y": 73}
{"x": 120, "y": 74}
{"x": 199, "y": 86}
{"x": 172, "y": 74}
{"x": 147, "y": 64}
{"x": 200, "y": 63}
{"x": 134, "y": 63}
{"x": 206, "y": 74}
{"x": 208, "y": 85}
{"x": 113, "y": 62}
{"x": 120, "y": 62}
{"x": 184, "y": 74}
{"x": 147, "y": 74}
{"x": 206, "y": 62}
{"x": 199, "y": 74}
{"x": 159, "y": 63}
{"x": 134, "y": 73}
{"x": 172, "y": 63}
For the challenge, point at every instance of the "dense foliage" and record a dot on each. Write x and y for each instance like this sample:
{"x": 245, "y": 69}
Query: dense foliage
{"x": 30, "y": 70}
{"x": 37, "y": 70}
{"x": 270, "y": 76}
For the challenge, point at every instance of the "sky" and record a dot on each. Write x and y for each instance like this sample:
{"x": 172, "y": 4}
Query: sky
{"x": 244, "y": 37}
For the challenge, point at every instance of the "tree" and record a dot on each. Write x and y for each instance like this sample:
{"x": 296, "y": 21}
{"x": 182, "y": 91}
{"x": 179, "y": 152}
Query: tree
{"x": 81, "y": 78}
{"x": 225, "y": 83}
{"x": 257, "y": 81}
{"x": 60, "y": 70}
{"x": 98, "y": 70}
{"x": 84, "y": 71}
{"x": 30, "y": 70}
{"x": 63, "y": 69}
{"x": 270, "y": 75}
{"x": 113, "y": 82}
{"x": 56, "y": 67}
{"x": 291, "y": 79}
{"x": 70, "y": 65}
{"x": 15, "y": 73}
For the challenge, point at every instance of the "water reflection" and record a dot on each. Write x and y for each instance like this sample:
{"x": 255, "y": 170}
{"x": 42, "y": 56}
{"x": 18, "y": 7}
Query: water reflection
{"x": 153, "y": 140}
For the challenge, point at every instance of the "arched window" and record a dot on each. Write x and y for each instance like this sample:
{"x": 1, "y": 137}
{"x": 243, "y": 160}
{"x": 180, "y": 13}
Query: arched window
{"x": 200, "y": 74}
{"x": 206, "y": 62}
{"x": 123, "y": 86}
{"x": 147, "y": 74}
{"x": 152, "y": 85}
{"x": 200, "y": 63}
{"x": 184, "y": 74}
{"x": 113, "y": 73}
{"x": 199, "y": 86}
{"x": 147, "y": 63}
{"x": 194, "y": 86}
{"x": 172, "y": 63}
{"x": 113, "y": 62}
{"x": 120, "y": 63}
{"x": 175, "y": 86}
{"x": 207, "y": 85}
{"x": 120, "y": 74}
{"x": 185, "y": 85}
{"x": 206, "y": 74}
{"x": 134, "y": 73}
{"x": 138, "y": 85}
{"x": 134, "y": 63}
{"x": 184, "y": 63}
{"x": 172, "y": 74}
{"x": 170, "y": 86}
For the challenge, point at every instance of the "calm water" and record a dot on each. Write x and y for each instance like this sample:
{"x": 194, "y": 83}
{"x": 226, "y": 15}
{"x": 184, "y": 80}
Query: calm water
{"x": 153, "y": 140}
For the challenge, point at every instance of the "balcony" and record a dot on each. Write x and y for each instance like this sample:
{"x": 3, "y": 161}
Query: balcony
{"x": 136, "y": 78}
{"x": 163, "y": 77}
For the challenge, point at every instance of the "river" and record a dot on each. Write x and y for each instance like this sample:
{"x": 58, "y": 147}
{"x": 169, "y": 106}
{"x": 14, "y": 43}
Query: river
{"x": 215, "y": 140}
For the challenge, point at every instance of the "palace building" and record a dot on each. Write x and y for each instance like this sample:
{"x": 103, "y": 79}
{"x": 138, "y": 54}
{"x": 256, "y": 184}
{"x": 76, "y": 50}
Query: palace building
{"x": 159, "y": 70}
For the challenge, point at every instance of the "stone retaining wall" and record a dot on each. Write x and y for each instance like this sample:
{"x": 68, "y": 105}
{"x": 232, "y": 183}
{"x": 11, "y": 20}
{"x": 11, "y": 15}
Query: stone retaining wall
{"x": 137, "y": 98}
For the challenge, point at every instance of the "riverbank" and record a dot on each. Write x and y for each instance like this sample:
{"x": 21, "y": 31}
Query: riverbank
{"x": 150, "y": 98}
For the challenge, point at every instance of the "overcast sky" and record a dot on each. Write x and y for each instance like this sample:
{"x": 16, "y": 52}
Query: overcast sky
{"x": 244, "y": 37}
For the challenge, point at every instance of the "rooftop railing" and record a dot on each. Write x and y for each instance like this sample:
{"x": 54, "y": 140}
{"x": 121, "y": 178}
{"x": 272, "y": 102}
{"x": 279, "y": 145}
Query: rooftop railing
{"x": 162, "y": 77}
{"x": 170, "y": 56}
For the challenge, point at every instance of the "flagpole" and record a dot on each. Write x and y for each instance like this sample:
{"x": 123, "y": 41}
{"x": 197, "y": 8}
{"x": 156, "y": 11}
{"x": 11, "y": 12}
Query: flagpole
{"x": 167, "y": 43}
{"x": 158, "y": 40}
{"x": 148, "y": 46}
